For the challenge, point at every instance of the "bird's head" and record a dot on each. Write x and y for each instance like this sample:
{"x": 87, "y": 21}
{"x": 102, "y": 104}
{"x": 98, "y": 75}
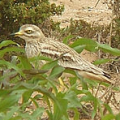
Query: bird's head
{"x": 29, "y": 33}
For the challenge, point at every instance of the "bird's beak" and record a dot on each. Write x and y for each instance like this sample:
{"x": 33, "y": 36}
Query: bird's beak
{"x": 17, "y": 34}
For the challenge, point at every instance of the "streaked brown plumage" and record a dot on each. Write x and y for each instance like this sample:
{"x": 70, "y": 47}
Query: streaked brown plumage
{"x": 37, "y": 43}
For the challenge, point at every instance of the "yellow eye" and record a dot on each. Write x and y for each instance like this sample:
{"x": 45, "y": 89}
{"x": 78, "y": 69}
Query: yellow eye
{"x": 28, "y": 31}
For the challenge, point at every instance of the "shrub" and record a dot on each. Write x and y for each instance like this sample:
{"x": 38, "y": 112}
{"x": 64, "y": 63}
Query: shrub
{"x": 16, "y": 12}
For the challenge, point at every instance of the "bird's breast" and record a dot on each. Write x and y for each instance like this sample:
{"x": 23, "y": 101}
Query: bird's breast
{"x": 32, "y": 50}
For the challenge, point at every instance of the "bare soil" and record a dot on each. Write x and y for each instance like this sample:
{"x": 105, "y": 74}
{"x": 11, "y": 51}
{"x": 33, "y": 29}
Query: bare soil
{"x": 87, "y": 10}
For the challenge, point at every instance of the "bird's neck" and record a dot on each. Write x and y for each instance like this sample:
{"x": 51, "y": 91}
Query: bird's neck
{"x": 42, "y": 39}
{"x": 32, "y": 49}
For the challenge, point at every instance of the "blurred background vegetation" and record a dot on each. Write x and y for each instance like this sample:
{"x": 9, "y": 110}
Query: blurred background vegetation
{"x": 17, "y": 12}
{"x": 31, "y": 94}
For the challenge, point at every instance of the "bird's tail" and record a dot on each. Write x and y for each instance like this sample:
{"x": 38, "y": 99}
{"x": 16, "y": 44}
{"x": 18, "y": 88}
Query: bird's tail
{"x": 93, "y": 76}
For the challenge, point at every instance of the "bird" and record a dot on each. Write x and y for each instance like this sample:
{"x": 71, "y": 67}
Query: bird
{"x": 38, "y": 44}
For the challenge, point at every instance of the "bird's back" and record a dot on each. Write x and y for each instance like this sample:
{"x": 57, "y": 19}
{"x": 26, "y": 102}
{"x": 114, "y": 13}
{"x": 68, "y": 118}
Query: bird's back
{"x": 67, "y": 56}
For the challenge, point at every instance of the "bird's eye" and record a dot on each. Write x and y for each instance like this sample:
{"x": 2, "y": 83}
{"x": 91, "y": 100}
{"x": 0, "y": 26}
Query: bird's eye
{"x": 28, "y": 31}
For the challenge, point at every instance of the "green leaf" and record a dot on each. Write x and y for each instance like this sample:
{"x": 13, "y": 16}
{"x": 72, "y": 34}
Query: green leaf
{"x": 11, "y": 66}
{"x": 11, "y": 49}
{"x": 108, "y": 108}
{"x": 73, "y": 80}
{"x": 3, "y": 93}
{"x": 70, "y": 71}
{"x": 88, "y": 96}
{"x": 38, "y": 113}
{"x": 89, "y": 44}
{"x": 108, "y": 117}
{"x": 49, "y": 65}
{"x": 93, "y": 114}
{"x": 79, "y": 48}
{"x": 6, "y": 43}
{"x": 77, "y": 114}
{"x": 8, "y": 101}
{"x": 26, "y": 95}
{"x": 65, "y": 40}
{"x": 117, "y": 117}
{"x": 39, "y": 57}
{"x": 40, "y": 89}
{"x": 84, "y": 84}
{"x": 25, "y": 116}
{"x": 58, "y": 113}
{"x": 101, "y": 61}
{"x": 26, "y": 64}
{"x": 56, "y": 72}
{"x": 71, "y": 96}
{"x": 10, "y": 114}
{"x": 107, "y": 48}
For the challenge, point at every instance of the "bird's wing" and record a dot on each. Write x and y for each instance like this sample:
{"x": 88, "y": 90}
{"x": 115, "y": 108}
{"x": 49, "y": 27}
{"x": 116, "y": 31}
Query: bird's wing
{"x": 68, "y": 57}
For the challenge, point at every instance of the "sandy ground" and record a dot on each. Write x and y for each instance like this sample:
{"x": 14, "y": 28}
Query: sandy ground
{"x": 85, "y": 10}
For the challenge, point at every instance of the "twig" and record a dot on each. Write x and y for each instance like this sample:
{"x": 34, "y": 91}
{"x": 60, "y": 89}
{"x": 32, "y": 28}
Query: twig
{"x": 107, "y": 91}
{"x": 97, "y": 90}
{"x": 107, "y": 102}
{"x": 115, "y": 103}
{"x": 97, "y": 3}
{"x": 99, "y": 41}
{"x": 111, "y": 28}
